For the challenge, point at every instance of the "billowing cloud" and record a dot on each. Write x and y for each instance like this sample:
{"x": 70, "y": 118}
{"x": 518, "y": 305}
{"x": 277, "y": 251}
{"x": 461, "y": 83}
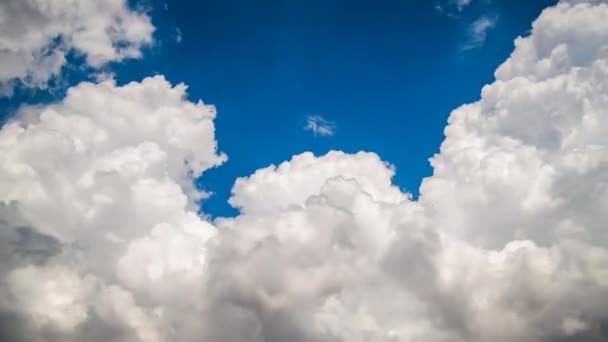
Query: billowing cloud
{"x": 36, "y": 36}
{"x": 99, "y": 210}
{"x": 566, "y": 36}
{"x": 319, "y": 126}
{"x": 100, "y": 238}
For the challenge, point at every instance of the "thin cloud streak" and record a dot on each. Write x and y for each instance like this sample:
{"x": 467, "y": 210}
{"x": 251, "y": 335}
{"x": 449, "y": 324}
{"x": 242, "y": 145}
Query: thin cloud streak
{"x": 478, "y": 32}
{"x": 320, "y": 126}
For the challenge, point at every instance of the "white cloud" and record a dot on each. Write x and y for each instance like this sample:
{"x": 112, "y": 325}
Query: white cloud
{"x": 478, "y": 31}
{"x": 36, "y": 36}
{"x": 452, "y": 8}
{"x": 100, "y": 240}
{"x": 306, "y": 174}
{"x": 319, "y": 126}
{"x": 568, "y": 35}
{"x": 104, "y": 178}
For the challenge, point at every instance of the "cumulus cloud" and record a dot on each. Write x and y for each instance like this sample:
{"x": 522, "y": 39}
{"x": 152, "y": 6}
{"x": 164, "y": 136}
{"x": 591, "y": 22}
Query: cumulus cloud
{"x": 319, "y": 126}
{"x": 478, "y": 31}
{"x": 36, "y": 37}
{"x": 100, "y": 238}
{"x": 99, "y": 210}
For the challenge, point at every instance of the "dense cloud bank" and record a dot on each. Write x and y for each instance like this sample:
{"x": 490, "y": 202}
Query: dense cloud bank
{"x": 100, "y": 239}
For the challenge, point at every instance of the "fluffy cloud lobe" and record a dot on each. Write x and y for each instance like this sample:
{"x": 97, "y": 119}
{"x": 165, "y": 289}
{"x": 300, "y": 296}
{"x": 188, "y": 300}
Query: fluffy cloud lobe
{"x": 37, "y": 35}
{"x": 100, "y": 239}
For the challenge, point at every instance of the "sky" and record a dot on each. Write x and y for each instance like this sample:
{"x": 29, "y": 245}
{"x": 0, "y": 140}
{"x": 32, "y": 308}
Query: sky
{"x": 386, "y": 75}
{"x": 303, "y": 171}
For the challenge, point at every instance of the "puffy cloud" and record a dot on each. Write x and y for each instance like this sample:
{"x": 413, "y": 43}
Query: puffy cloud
{"x": 37, "y": 35}
{"x": 101, "y": 239}
{"x": 274, "y": 189}
{"x": 99, "y": 205}
{"x": 568, "y": 35}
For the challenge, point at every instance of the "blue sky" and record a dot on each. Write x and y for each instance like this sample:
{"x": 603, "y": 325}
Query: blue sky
{"x": 385, "y": 73}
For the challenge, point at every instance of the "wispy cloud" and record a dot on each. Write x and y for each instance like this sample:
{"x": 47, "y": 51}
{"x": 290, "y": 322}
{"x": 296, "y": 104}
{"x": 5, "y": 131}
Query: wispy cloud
{"x": 461, "y": 4}
{"x": 178, "y": 35}
{"x": 104, "y": 75}
{"x": 319, "y": 126}
{"x": 452, "y": 8}
{"x": 478, "y": 32}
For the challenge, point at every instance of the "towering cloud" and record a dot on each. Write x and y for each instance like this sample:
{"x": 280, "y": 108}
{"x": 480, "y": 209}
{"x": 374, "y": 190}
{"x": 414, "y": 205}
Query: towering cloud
{"x": 100, "y": 239}
{"x": 37, "y": 35}
{"x": 98, "y": 211}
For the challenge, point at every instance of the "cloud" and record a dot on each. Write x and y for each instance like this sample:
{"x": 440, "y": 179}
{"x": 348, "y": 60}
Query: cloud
{"x": 461, "y": 4}
{"x": 93, "y": 186}
{"x": 178, "y": 35}
{"x": 478, "y": 31}
{"x": 306, "y": 175}
{"x": 101, "y": 241}
{"x": 452, "y": 8}
{"x": 567, "y": 36}
{"x": 37, "y": 36}
{"x": 319, "y": 126}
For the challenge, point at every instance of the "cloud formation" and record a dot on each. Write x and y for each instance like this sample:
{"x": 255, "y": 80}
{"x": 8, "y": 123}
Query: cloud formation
{"x": 452, "y": 8}
{"x": 100, "y": 239}
{"x": 36, "y": 37}
{"x": 319, "y": 126}
{"x": 461, "y": 4}
{"x": 478, "y": 31}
